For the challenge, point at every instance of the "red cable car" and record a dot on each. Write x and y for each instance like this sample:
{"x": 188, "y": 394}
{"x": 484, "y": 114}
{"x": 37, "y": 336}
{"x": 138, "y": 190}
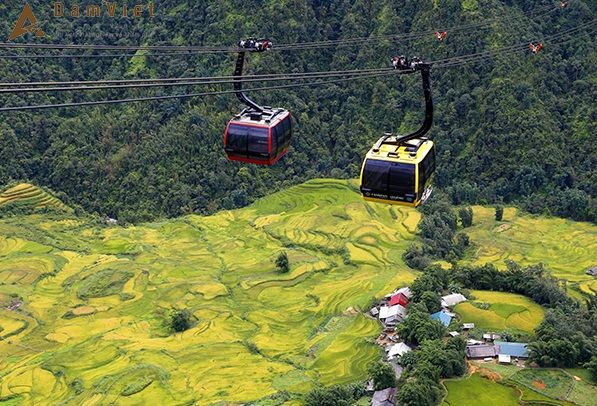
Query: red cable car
{"x": 257, "y": 135}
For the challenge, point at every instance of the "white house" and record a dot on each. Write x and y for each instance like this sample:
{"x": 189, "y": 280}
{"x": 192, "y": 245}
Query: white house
{"x": 452, "y": 300}
{"x": 398, "y": 350}
{"x": 386, "y": 312}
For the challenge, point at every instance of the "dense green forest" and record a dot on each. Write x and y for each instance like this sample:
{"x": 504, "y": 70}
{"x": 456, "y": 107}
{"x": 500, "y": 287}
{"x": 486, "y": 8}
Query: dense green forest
{"x": 515, "y": 129}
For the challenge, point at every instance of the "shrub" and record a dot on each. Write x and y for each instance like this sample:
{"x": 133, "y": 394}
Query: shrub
{"x": 180, "y": 320}
{"x": 339, "y": 395}
{"x": 282, "y": 262}
{"x": 499, "y": 213}
{"x": 383, "y": 375}
{"x": 466, "y": 216}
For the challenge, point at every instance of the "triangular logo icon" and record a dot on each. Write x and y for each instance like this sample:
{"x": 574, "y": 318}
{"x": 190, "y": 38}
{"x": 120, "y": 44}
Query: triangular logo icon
{"x": 26, "y": 23}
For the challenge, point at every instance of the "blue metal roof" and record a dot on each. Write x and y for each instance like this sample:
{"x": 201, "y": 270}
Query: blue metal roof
{"x": 513, "y": 349}
{"x": 443, "y": 317}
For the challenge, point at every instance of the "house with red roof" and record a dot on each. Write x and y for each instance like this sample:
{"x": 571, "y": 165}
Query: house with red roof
{"x": 398, "y": 299}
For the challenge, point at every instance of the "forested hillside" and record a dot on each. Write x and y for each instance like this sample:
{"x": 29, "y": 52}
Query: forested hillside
{"x": 518, "y": 128}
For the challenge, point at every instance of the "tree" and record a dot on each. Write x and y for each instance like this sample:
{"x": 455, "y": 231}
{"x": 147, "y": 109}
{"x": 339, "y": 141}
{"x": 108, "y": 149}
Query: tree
{"x": 383, "y": 375}
{"x": 418, "y": 326}
{"x": 432, "y": 300}
{"x": 447, "y": 358}
{"x": 499, "y": 213}
{"x": 466, "y": 216}
{"x": 339, "y": 395}
{"x": 415, "y": 257}
{"x": 282, "y": 262}
{"x": 592, "y": 367}
{"x": 180, "y": 320}
{"x": 419, "y": 391}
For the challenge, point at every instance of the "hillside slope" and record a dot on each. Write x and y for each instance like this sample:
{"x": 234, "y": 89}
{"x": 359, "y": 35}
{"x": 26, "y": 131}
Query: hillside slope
{"x": 515, "y": 127}
{"x": 30, "y": 198}
{"x": 92, "y": 300}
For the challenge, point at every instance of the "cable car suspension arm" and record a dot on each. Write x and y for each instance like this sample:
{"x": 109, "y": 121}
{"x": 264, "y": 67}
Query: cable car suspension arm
{"x": 413, "y": 66}
{"x": 252, "y": 45}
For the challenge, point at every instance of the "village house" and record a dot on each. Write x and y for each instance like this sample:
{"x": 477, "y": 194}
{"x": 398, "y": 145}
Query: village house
{"x": 444, "y": 317}
{"x": 390, "y": 316}
{"x": 398, "y": 299}
{"x": 592, "y": 271}
{"x": 491, "y": 336}
{"x": 468, "y": 326}
{"x": 452, "y": 300}
{"x": 386, "y": 397}
{"x": 482, "y": 351}
{"x": 397, "y": 350}
{"x": 514, "y": 350}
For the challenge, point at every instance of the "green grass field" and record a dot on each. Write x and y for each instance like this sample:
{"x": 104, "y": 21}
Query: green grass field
{"x": 512, "y": 385}
{"x": 553, "y": 383}
{"x": 506, "y": 311}
{"x": 558, "y": 384}
{"x": 476, "y": 390}
{"x": 91, "y": 329}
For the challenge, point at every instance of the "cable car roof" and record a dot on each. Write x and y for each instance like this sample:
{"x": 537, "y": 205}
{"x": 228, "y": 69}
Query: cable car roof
{"x": 412, "y": 151}
{"x": 267, "y": 118}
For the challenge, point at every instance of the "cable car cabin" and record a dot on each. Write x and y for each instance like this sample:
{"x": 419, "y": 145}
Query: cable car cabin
{"x": 258, "y": 137}
{"x": 399, "y": 173}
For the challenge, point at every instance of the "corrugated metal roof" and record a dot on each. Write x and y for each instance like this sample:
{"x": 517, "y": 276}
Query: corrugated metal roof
{"x": 519, "y": 350}
{"x": 443, "y": 317}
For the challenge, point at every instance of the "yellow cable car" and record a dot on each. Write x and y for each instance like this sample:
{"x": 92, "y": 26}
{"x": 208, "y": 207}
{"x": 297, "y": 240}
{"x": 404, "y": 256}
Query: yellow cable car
{"x": 398, "y": 169}
{"x": 399, "y": 174}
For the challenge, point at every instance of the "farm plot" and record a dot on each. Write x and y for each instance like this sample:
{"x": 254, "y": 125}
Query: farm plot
{"x": 499, "y": 311}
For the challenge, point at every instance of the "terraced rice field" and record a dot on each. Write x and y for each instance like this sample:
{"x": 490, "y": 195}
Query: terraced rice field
{"x": 566, "y": 247}
{"x": 26, "y": 195}
{"x": 96, "y": 299}
{"x": 505, "y": 311}
{"x": 92, "y": 327}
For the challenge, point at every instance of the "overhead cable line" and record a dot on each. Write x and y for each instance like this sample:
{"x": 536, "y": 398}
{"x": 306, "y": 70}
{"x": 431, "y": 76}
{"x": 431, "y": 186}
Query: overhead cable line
{"x": 191, "y": 95}
{"x": 193, "y": 50}
{"x": 29, "y": 87}
{"x": 187, "y": 83}
{"x": 448, "y": 62}
{"x": 205, "y": 78}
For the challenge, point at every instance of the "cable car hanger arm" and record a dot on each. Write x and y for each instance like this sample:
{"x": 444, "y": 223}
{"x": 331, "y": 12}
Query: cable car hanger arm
{"x": 252, "y": 45}
{"x": 425, "y": 68}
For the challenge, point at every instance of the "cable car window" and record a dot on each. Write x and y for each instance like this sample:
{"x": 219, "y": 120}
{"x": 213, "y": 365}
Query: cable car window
{"x": 258, "y": 140}
{"x": 275, "y": 135}
{"x": 402, "y": 179}
{"x": 237, "y": 138}
{"x": 287, "y": 129}
{"x": 283, "y": 131}
{"x": 375, "y": 176}
{"x": 426, "y": 168}
{"x": 432, "y": 160}
{"x": 289, "y": 133}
